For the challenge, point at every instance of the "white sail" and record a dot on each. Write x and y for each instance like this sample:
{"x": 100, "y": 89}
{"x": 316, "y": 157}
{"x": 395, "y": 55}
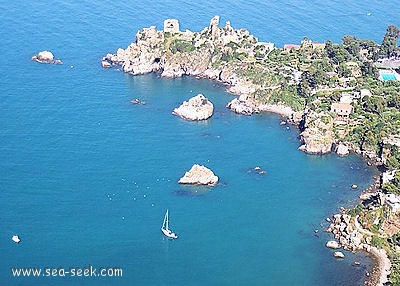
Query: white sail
{"x": 165, "y": 227}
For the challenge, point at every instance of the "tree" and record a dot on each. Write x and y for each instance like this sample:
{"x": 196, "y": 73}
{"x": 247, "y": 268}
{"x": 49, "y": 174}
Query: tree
{"x": 343, "y": 70}
{"x": 389, "y": 43}
{"x": 368, "y": 69}
{"x": 352, "y": 45}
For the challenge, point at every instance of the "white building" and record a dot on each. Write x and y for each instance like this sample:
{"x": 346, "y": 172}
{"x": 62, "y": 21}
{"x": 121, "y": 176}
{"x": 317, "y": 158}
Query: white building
{"x": 393, "y": 202}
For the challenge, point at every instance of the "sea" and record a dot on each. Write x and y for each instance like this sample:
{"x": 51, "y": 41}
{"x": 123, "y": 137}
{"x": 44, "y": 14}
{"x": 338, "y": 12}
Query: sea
{"x": 86, "y": 176}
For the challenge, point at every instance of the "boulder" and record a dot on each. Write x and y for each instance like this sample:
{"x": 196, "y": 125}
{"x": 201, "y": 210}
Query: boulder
{"x": 333, "y": 244}
{"x": 242, "y": 105}
{"x": 197, "y": 108}
{"x": 45, "y": 57}
{"x": 199, "y": 175}
{"x": 342, "y": 150}
{"x": 338, "y": 254}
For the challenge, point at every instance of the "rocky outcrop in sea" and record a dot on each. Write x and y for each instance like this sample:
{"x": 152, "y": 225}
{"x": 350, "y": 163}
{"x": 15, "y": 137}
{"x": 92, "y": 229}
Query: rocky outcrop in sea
{"x": 196, "y": 108}
{"x": 199, "y": 175}
{"x": 45, "y": 57}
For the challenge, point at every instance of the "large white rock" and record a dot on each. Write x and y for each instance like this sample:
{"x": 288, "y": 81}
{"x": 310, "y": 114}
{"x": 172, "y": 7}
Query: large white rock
{"x": 199, "y": 175}
{"x": 338, "y": 254}
{"x": 197, "y": 108}
{"x": 46, "y": 56}
{"x": 333, "y": 244}
{"x": 342, "y": 150}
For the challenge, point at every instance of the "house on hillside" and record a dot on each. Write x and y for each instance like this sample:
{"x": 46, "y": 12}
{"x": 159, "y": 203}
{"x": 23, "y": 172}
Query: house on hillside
{"x": 318, "y": 46}
{"x": 393, "y": 202}
{"x": 342, "y": 109}
{"x": 289, "y": 47}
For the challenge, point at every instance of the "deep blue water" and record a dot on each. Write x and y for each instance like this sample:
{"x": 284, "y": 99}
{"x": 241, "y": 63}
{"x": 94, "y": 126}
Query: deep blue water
{"x": 85, "y": 176}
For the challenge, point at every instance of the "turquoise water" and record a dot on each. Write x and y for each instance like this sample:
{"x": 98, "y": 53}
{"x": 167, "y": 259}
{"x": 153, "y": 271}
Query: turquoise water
{"x": 388, "y": 76}
{"x": 85, "y": 176}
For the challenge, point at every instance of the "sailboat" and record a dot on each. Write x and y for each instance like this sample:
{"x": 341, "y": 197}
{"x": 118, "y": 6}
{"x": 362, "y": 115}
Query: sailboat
{"x": 165, "y": 230}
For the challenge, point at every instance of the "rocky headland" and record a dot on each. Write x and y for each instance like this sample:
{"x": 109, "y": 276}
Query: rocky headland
{"x": 331, "y": 92}
{"x": 233, "y": 57}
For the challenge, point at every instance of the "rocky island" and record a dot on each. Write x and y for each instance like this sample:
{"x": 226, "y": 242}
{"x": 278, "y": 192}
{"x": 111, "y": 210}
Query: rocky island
{"x": 199, "y": 175}
{"x": 339, "y": 96}
{"x": 45, "y": 57}
{"x": 197, "y": 108}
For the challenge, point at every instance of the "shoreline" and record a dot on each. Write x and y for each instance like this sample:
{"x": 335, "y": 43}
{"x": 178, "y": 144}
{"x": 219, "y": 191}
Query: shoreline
{"x": 243, "y": 104}
{"x": 381, "y": 269}
{"x": 280, "y": 109}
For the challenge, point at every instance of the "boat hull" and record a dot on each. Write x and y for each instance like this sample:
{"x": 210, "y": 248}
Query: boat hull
{"x": 169, "y": 233}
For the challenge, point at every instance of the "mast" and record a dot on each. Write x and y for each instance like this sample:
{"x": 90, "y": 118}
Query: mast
{"x": 166, "y": 215}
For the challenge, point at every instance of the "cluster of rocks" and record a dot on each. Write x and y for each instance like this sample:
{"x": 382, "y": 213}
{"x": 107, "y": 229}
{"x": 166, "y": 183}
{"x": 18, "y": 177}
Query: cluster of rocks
{"x": 45, "y": 57}
{"x": 197, "y": 108}
{"x": 347, "y": 235}
{"x": 199, "y": 175}
{"x": 243, "y": 105}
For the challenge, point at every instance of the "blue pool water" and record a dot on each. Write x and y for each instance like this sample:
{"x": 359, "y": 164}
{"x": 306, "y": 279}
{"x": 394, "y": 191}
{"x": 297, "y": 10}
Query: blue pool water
{"x": 86, "y": 177}
{"x": 388, "y": 76}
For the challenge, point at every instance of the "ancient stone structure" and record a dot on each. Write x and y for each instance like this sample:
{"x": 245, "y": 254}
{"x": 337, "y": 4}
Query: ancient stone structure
{"x": 214, "y": 28}
{"x": 171, "y": 26}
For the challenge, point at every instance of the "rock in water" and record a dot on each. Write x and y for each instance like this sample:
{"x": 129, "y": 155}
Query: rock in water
{"x": 338, "y": 254}
{"x": 342, "y": 150}
{"x": 197, "y": 108}
{"x": 45, "y": 57}
{"x": 199, "y": 175}
{"x": 333, "y": 244}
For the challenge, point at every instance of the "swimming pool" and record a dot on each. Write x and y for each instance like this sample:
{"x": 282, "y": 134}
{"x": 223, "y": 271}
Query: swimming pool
{"x": 388, "y": 76}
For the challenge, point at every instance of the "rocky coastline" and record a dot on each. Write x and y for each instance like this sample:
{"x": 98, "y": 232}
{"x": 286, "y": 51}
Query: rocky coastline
{"x": 350, "y": 236}
{"x": 172, "y": 53}
{"x": 232, "y": 57}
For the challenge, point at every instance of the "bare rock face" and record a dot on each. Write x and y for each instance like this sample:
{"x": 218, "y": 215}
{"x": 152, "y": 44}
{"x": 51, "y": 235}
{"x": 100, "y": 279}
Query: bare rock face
{"x": 242, "y": 105}
{"x": 333, "y": 244}
{"x": 197, "y": 108}
{"x": 45, "y": 57}
{"x": 199, "y": 175}
{"x": 342, "y": 150}
{"x": 338, "y": 254}
{"x": 318, "y": 135}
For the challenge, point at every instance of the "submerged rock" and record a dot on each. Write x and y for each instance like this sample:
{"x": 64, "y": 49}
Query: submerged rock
{"x": 197, "y": 108}
{"x": 199, "y": 175}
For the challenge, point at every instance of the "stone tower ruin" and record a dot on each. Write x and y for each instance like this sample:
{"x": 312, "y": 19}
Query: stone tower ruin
{"x": 171, "y": 26}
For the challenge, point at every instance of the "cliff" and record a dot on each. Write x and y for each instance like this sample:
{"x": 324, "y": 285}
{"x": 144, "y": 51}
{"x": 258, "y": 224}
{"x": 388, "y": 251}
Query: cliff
{"x": 300, "y": 83}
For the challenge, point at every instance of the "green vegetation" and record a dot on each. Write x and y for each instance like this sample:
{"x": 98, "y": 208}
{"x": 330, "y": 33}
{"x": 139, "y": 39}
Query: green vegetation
{"x": 181, "y": 46}
{"x": 378, "y": 241}
{"x": 389, "y": 43}
{"x": 356, "y": 210}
